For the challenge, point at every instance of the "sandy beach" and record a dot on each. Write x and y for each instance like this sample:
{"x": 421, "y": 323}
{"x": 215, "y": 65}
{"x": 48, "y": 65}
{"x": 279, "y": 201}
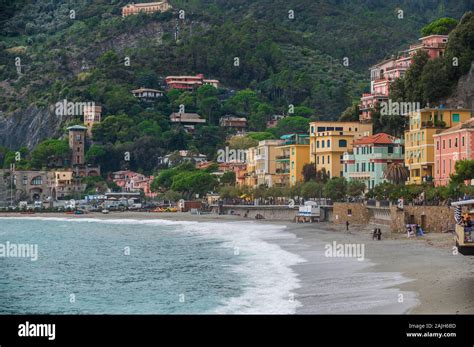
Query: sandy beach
{"x": 397, "y": 275}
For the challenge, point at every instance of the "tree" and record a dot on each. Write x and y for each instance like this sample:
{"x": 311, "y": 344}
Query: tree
{"x": 464, "y": 171}
{"x": 441, "y": 26}
{"x": 309, "y": 172}
{"x": 191, "y": 183}
{"x": 50, "y": 151}
{"x": 413, "y": 91}
{"x": 396, "y": 173}
{"x": 242, "y": 142}
{"x": 302, "y": 111}
{"x": 355, "y": 189}
{"x": 312, "y": 189}
{"x": 228, "y": 178}
{"x": 291, "y": 125}
{"x": 335, "y": 189}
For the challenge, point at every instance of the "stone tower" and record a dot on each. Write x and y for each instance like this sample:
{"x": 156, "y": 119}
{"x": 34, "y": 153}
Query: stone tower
{"x": 77, "y": 134}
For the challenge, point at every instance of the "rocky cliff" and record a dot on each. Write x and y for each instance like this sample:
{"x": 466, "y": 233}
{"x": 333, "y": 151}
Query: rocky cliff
{"x": 29, "y": 127}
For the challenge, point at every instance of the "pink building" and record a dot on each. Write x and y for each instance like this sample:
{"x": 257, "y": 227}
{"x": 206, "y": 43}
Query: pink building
{"x": 131, "y": 181}
{"x": 451, "y": 145}
{"x": 385, "y": 72}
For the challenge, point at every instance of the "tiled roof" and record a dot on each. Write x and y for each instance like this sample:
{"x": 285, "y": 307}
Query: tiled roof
{"x": 379, "y": 139}
{"x": 469, "y": 124}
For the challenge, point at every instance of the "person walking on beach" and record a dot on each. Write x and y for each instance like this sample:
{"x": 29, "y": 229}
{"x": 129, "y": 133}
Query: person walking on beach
{"x": 347, "y": 225}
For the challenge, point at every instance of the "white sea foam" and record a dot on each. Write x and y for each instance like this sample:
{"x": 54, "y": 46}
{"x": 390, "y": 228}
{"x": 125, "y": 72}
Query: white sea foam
{"x": 266, "y": 267}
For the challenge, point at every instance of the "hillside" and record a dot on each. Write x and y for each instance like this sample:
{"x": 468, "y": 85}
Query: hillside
{"x": 285, "y": 61}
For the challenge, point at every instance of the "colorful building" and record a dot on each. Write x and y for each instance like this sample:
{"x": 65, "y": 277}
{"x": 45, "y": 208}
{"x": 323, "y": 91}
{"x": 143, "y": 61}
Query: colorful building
{"x": 92, "y": 115}
{"x": 130, "y": 181}
{"x": 419, "y": 139}
{"x": 330, "y": 140}
{"x": 370, "y": 157}
{"x": 189, "y": 82}
{"x": 266, "y": 164}
{"x": 149, "y": 7}
{"x": 451, "y": 145}
{"x": 385, "y": 72}
{"x": 294, "y": 154}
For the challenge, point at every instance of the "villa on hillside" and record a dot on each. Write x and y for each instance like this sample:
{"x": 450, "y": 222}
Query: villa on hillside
{"x": 92, "y": 115}
{"x": 370, "y": 157}
{"x": 233, "y": 122}
{"x": 451, "y": 145}
{"x": 149, "y": 7}
{"x": 385, "y": 72}
{"x": 147, "y": 94}
{"x": 178, "y": 157}
{"x": 189, "y": 82}
{"x": 187, "y": 120}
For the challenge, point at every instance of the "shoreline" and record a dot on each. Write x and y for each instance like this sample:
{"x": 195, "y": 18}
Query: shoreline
{"x": 431, "y": 279}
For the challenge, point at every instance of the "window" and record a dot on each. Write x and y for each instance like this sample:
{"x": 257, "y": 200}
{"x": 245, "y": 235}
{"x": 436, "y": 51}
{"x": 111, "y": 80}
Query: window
{"x": 357, "y": 167}
{"x": 25, "y": 180}
{"x": 339, "y": 129}
{"x": 321, "y": 129}
{"x": 322, "y": 143}
{"x": 312, "y": 129}
{"x": 341, "y": 158}
{"x": 37, "y": 181}
{"x": 462, "y": 141}
{"x": 78, "y": 137}
{"x": 373, "y": 167}
{"x": 456, "y": 143}
{"x": 349, "y": 212}
{"x": 455, "y": 117}
{"x": 317, "y": 159}
{"x": 444, "y": 166}
{"x": 317, "y": 144}
{"x": 342, "y": 143}
{"x": 444, "y": 144}
{"x": 345, "y": 167}
{"x": 390, "y": 149}
{"x": 322, "y": 158}
{"x": 329, "y": 160}
{"x": 329, "y": 143}
{"x": 437, "y": 145}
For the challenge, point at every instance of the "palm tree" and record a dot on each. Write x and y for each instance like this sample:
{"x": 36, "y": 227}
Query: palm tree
{"x": 396, "y": 173}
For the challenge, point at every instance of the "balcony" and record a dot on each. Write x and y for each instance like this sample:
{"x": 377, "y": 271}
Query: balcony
{"x": 285, "y": 157}
{"x": 282, "y": 171}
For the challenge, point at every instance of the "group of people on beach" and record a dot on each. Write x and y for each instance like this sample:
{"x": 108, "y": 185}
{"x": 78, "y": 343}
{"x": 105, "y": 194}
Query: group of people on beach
{"x": 414, "y": 230}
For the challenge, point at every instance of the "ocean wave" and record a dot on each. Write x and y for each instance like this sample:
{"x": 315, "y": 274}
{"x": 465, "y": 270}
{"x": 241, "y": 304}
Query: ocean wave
{"x": 266, "y": 267}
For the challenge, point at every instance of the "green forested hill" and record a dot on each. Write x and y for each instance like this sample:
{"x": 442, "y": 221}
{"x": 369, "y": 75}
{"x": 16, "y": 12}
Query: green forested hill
{"x": 297, "y": 61}
{"x": 75, "y": 50}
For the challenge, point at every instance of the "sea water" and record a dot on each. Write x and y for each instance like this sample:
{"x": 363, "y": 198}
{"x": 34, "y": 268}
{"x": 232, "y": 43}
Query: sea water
{"x": 92, "y": 266}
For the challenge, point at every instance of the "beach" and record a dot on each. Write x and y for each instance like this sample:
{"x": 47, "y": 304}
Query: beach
{"x": 396, "y": 275}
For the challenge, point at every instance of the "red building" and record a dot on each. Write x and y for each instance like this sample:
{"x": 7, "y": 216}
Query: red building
{"x": 189, "y": 82}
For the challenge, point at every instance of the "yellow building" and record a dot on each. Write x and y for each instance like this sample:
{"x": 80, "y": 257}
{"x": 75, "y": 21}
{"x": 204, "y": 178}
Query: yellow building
{"x": 294, "y": 154}
{"x": 250, "y": 176}
{"x": 330, "y": 140}
{"x": 419, "y": 141}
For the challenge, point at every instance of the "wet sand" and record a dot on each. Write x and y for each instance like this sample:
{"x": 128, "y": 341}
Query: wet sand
{"x": 397, "y": 275}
